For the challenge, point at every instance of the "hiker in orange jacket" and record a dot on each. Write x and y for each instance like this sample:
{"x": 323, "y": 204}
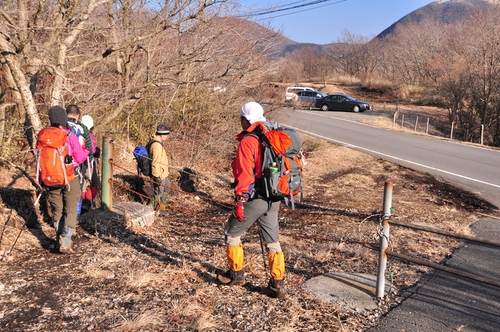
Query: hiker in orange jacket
{"x": 250, "y": 206}
{"x": 63, "y": 200}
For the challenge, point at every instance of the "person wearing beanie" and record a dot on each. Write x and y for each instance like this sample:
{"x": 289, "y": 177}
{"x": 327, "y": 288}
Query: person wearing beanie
{"x": 93, "y": 183}
{"x": 58, "y": 117}
{"x": 63, "y": 200}
{"x": 250, "y": 207}
{"x": 159, "y": 169}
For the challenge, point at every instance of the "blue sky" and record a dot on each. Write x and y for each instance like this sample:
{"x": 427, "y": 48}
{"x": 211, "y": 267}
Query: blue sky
{"x": 323, "y": 22}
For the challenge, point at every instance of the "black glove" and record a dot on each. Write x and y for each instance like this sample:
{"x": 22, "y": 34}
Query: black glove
{"x": 97, "y": 152}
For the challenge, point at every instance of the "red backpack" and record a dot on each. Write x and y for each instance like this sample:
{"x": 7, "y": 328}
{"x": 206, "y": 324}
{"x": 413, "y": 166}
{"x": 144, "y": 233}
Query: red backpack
{"x": 54, "y": 167}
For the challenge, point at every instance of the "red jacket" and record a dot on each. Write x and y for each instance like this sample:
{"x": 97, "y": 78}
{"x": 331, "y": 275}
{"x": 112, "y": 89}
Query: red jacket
{"x": 247, "y": 166}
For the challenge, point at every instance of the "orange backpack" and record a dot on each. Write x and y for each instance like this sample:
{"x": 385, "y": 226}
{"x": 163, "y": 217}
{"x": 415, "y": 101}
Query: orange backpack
{"x": 54, "y": 167}
{"x": 282, "y": 163}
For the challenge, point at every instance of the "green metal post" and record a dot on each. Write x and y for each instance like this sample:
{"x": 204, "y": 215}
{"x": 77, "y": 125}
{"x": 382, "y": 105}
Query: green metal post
{"x": 107, "y": 173}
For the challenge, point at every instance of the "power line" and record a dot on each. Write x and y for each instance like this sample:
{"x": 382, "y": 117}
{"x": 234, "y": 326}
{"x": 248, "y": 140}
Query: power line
{"x": 293, "y": 5}
{"x": 252, "y": 10}
{"x": 299, "y": 11}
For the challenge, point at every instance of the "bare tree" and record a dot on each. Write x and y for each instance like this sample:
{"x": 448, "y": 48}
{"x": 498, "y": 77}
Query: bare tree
{"x": 116, "y": 57}
{"x": 353, "y": 55}
{"x": 468, "y": 75}
{"x": 47, "y": 38}
{"x": 412, "y": 49}
{"x": 484, "y": 57}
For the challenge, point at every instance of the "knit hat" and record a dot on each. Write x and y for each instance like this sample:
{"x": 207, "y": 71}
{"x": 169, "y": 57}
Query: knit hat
{"x": 253, "y": 112}
{"x": 57, "y": 115}
{"x": 163, "y": 130}
{"x": 87, "y": 121}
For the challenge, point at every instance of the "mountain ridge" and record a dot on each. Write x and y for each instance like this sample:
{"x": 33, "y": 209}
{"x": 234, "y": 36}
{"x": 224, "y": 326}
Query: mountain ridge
{"x": 446, "y": 12}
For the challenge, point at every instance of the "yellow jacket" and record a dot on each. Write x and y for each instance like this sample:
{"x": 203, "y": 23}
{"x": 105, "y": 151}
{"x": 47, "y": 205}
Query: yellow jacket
{"x": 159, "y": 159}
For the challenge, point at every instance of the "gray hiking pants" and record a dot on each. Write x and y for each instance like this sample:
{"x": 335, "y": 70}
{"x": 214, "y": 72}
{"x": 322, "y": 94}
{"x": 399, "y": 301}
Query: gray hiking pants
{"x": 255, "y": 209}
{"x": 160, "y": 186}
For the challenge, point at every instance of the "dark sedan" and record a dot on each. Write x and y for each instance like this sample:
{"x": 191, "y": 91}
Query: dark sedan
{"x": 307, "y": 98}
{"x": 340, "y": 102}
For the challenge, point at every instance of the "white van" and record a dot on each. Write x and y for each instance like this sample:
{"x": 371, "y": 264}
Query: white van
{"x": 291, "y": 91}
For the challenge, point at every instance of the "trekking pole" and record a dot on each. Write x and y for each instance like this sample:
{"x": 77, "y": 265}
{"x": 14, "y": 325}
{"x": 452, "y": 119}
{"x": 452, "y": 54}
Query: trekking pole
{"x": 261, "y": 236}
{"x": 4, "y": 226}
{"x": 22, "y": 228}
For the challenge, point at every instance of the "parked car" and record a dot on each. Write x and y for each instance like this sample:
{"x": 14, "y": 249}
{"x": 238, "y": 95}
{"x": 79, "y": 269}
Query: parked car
{"x": 307, "y": 98}
{"x": 292, "y": 90}
{"x": 341, "y": 102}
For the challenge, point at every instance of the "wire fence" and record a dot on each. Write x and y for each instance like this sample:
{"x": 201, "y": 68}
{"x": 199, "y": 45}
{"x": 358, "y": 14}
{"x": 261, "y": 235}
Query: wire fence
{"x": 382, "y": 218}
{"x": 408, "y": 119}
{"x": 382, "y": 234}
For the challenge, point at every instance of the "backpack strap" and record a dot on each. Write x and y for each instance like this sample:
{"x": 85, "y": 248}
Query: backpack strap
{"x": 148, "y": 150}
{"x": 148, "y": 146}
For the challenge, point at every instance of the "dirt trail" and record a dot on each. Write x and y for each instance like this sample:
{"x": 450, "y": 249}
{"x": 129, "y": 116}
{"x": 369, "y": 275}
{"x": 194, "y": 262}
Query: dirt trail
{"x": 126, "y": 278}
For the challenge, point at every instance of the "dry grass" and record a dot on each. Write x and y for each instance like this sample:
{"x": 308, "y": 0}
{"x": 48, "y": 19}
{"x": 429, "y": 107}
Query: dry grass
{"x": 128, "y": 278}
{"x": 140, "y": 321}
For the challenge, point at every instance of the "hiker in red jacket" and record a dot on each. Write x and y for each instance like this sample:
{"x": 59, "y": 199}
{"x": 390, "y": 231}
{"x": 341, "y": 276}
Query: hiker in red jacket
{"x": 250, "y": 206}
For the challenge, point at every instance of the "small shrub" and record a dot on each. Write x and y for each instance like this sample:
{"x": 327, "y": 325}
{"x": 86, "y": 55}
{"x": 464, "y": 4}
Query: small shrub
{"x": 379, "y": 86}
{"x": 349, "y": 80}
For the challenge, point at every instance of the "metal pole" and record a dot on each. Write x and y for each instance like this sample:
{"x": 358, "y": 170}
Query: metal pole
{"x": 482, "y": 133}
{"x": 384, "y": 239}
{"x": 261, "y": 236}
{"x": 402, "y": 121}
{"x": 107, "y": 173}
{"x": 451, "y": 132}
{"x": 427, "y": 127}
{"x": 416, "y": 122}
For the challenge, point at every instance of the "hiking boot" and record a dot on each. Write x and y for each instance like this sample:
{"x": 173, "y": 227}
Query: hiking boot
{"x": 162, "y": 209}
{"x": 276, "y": 288}
{"x": 232, "y": 278}
{"x": 65, "y": 240}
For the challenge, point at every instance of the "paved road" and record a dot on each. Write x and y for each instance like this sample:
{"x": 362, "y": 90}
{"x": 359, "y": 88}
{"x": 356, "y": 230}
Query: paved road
{"x": 471, "y": 167}
{"x": 443, "y": 302}
{"x": 439, "y": 302}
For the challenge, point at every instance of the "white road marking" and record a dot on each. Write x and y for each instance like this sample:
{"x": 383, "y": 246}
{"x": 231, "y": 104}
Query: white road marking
{"x": 396, "y": 158}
